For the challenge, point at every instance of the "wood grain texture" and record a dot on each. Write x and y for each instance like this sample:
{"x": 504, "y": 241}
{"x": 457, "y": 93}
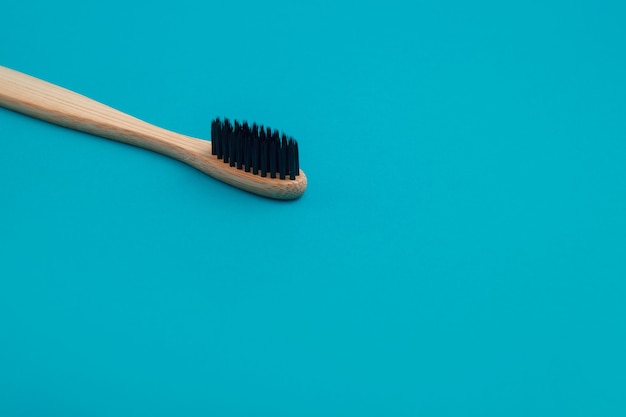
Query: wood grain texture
{"x": 49, "y": 102}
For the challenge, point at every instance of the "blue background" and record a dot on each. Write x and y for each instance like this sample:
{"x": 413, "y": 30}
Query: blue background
{"x": 461, "y": 249}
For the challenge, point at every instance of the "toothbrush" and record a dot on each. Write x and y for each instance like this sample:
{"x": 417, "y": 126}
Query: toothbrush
{"x": 252, "y": 158}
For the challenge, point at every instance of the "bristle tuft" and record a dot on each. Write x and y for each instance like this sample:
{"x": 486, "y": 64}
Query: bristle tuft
{"x": 257, "y": 149}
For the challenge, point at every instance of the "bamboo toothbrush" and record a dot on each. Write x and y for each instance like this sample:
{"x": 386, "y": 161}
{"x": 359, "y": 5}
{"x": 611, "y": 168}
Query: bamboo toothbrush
{"x": 255, "y": 159}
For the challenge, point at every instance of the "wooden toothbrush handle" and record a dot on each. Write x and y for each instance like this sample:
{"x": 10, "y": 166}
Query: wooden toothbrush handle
{"x": 49, "y": 102}
{"x": 40, "y": 99}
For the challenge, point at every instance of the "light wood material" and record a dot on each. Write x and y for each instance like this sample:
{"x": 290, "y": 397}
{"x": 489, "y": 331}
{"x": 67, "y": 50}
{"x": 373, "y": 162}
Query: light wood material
{"x": 40, "y": 99}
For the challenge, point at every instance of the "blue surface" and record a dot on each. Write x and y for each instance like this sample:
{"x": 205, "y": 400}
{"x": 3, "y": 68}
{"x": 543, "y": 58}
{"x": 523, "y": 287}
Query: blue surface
{"x": 460, "y": 249}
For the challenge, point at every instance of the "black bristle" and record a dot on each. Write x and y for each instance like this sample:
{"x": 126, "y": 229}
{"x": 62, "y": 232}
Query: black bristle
{"x": 297, "y": 158}
{"x": 247, "y": 152}
{"x": 239, "y": 146}
{"x": 214, "y": 136}
{"x": 272, "y": 156}
{"x": 232, "y": 144}
{"x": 240, "y": 143}
{"x": 291, "y": 159}
{"x": 276, "y": 139}
{"x": 225, "y": 142}
{"x": 263, "y": 156}
{"x": 282, "y": 159}
{"x": 246, "y": 147}
{"x": 220, "y": 139}
{"x": 255, "y": 149}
